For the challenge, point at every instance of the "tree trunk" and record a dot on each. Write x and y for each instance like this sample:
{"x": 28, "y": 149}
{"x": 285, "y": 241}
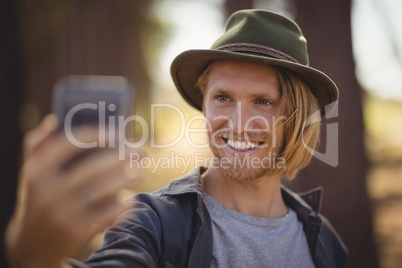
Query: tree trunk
{"x": 11, "y": 81}
{"x": 97, "y": 37}
{"x": 232, "y": 6}
{"x": 326, "y": 25}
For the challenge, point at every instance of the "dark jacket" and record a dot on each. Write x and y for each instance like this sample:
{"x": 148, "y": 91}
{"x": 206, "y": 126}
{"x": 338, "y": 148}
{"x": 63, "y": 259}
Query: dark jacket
{"x": 172, "y": 228}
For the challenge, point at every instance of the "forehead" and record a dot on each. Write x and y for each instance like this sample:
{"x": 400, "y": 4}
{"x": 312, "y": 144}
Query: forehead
{"x": 245, "y": 76}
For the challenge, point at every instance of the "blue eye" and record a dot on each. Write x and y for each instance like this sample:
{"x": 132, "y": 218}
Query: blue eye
{"x": 222, "y": 98}
{"x": 263, "y": 102}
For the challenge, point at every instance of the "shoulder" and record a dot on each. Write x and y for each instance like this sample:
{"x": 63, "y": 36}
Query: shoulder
{"x": 157, "y": 222}
{"x": 181, "y": 194}
{"x": 325, "y": 244}
{"x": 176, "y": 209}
{"x": 174, "y": 206}
{"x": 165, "y": 207}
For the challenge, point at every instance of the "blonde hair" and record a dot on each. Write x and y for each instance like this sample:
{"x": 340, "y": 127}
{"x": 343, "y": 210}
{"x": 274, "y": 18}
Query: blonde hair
{"x": 300, "y": 107}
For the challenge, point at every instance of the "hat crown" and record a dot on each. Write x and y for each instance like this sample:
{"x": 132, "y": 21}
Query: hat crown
{"x": 258, "y": 36}
{"x": 265, "y": 31}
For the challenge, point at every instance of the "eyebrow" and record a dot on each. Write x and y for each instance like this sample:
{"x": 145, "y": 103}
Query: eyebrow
{"x": 218, "y": 91}
{"x": 263, "y": 96}
{"x": 221, "y": 91}
{"x": 254, "y": 96}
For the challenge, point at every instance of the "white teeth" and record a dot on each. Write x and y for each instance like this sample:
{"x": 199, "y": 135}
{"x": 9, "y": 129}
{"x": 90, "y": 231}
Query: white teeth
{"x": 237, "y": 145}
{"x": 231, "y": 143}
{"x": 241, "y": 145}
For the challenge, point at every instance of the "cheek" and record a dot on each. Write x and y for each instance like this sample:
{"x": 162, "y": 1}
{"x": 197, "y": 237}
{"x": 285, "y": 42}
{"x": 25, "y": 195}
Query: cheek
{"x": 215, "y": 122}
{"x": 211, "y": 112}
{"x": 261, "y": 121}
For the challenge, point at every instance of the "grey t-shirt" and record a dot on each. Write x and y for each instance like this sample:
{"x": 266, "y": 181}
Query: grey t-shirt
{"x": 241, "y": 240}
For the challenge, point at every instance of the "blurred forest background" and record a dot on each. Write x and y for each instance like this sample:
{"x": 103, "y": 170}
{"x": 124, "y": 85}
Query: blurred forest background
{"x": 44, "y": 40}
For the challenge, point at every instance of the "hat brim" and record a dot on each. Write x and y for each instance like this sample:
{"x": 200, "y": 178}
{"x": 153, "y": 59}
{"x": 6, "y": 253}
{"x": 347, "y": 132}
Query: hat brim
{"x": 189, "y": 65}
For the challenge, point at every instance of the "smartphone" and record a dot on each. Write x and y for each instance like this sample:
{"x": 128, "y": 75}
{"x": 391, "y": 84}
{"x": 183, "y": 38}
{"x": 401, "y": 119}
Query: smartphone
{"x": 92, "y": 100}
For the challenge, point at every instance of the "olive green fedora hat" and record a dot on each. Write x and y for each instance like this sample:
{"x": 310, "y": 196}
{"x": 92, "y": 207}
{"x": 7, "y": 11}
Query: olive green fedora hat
{"x": 258, "y": 36}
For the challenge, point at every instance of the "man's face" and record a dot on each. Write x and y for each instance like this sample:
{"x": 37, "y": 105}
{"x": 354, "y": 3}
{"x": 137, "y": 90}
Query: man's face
{"x": 241, "y": 100}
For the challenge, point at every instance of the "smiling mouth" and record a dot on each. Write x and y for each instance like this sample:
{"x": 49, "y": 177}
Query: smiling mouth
{"x": 242, "y": 145}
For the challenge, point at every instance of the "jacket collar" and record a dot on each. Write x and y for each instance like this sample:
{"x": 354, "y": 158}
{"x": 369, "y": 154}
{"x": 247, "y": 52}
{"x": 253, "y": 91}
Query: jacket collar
{"x": 310, "y": 199}
{"x": 191, "y": 183}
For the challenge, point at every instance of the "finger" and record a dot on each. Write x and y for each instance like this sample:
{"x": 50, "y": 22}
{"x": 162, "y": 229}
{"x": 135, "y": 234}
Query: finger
{"x": 93, "y": 183}
{"x": 94, "y": 169}
{"x": 101, "y": 196}
{"x": 56, "y": 152}
{"x": 35, "y": 137}
{"x": 85, "y": 219}
{"x": 90, "y": 170}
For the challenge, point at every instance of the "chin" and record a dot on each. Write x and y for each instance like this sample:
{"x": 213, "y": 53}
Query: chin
{"x": 244, "y": 174}
{"x": 245, "y": 166}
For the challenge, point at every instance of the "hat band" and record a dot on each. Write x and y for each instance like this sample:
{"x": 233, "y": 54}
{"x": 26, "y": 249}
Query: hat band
{"x": 268, "y": 51}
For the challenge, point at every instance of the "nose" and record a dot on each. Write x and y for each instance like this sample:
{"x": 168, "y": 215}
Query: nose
{"x": 242, "y": 118}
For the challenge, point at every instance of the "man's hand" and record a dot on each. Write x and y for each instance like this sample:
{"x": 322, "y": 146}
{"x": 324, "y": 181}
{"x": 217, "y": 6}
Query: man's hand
{"x": 62, "y": 205}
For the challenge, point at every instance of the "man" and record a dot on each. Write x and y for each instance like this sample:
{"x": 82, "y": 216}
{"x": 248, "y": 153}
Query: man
{"x": 258, "y": 94}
